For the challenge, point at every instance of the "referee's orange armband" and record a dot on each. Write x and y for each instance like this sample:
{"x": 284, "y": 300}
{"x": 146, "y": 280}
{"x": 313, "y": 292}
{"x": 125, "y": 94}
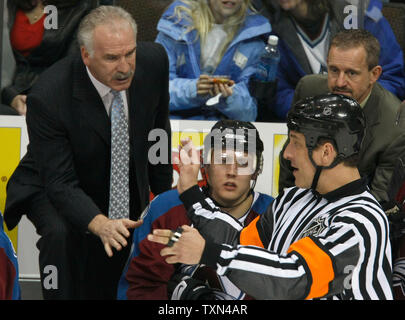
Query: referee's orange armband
{"x": 318, "y": 262}
{"x": 249, "y": 236}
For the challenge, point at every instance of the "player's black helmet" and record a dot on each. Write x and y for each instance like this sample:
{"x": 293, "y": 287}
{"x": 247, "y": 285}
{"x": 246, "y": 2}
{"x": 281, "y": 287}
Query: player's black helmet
{"x": 331, "y": 116}
{"x": 235, "y": 135}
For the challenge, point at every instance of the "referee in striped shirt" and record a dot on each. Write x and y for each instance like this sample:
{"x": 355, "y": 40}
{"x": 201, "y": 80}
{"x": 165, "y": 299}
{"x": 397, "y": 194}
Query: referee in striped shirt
{"x": 327, "y": 237}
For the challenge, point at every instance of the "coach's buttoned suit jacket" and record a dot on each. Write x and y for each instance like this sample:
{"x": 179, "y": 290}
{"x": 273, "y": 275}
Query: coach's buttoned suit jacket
{"x": 68, "y": 157}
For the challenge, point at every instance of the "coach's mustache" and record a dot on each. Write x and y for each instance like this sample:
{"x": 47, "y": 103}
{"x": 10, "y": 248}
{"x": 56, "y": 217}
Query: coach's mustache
{"x": 123, "y": 75}
{"x": 341, "y": 90}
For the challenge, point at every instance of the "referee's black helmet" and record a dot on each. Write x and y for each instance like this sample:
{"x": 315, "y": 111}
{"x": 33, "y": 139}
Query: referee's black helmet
{"x": 330, "y": 116}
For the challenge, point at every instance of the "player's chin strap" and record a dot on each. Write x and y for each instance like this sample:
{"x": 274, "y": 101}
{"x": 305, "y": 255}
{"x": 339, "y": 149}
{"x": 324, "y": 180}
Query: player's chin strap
{"x": 318, "y": 170}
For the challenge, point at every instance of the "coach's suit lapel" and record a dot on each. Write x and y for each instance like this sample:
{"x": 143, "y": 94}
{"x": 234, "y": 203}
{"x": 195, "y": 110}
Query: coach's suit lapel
{"x": 137, "y": 105}
{"x": 88, "y": 104}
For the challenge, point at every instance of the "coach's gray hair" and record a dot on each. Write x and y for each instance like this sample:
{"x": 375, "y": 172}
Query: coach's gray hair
{"x": 101, "y": 15}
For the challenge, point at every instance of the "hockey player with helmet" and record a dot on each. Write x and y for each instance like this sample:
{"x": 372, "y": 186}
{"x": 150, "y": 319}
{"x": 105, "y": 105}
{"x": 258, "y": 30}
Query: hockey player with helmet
{"x": 231, "y": 162}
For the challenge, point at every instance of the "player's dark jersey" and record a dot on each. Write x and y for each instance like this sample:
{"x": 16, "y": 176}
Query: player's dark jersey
{"x": 305, "y": 246}
{"x": 9, "y": 286}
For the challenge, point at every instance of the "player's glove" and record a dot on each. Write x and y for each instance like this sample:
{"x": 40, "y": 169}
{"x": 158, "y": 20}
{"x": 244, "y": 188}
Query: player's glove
{"x": 184, "y": 287}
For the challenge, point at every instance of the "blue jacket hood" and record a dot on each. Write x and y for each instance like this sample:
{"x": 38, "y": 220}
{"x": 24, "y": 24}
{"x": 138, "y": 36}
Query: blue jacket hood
{"x": 254, "y": 25}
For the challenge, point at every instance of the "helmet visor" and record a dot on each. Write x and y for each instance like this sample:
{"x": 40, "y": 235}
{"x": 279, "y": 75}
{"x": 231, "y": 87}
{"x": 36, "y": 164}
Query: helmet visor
{"x": 245, "y": 163}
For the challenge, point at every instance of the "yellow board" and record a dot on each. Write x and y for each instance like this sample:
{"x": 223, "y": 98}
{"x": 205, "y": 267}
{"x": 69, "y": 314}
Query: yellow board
{"x": 196, "y": 137}
{"x": 279, "y": 140}
{"x": 10, "y": 142}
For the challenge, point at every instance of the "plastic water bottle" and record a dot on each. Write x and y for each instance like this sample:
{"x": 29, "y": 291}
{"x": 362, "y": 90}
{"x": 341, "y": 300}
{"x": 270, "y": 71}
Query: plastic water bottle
{"x": 268, "y": 64}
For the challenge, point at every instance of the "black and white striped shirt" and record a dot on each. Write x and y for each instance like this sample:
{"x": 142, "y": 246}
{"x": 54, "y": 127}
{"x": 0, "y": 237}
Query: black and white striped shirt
{"x": 304, "y": 246}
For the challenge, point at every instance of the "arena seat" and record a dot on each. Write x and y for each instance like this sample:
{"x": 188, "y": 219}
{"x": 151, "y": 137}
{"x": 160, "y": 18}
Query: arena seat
{"x": 395, "y": 14}
{"x": 146, "y": 14}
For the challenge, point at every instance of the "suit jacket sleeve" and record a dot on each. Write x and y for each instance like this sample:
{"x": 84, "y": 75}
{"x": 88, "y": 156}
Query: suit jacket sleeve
{"x": 53, "y": 155}
{"x": 160, "y": 174}
{"x": 380, "y": 183}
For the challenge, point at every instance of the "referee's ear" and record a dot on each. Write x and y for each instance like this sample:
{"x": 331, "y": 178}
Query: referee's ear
{"x": 326, "y": 154}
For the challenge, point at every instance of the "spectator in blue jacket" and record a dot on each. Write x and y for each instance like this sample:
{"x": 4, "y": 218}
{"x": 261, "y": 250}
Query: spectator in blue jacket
{"x": 207, "y": 38}
{"x": 305, "y": 29}
{"x": 9, "y": 285}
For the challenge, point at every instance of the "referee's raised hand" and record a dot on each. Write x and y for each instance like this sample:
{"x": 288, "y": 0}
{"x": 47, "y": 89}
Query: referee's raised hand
{"x": 187, "y": 248}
